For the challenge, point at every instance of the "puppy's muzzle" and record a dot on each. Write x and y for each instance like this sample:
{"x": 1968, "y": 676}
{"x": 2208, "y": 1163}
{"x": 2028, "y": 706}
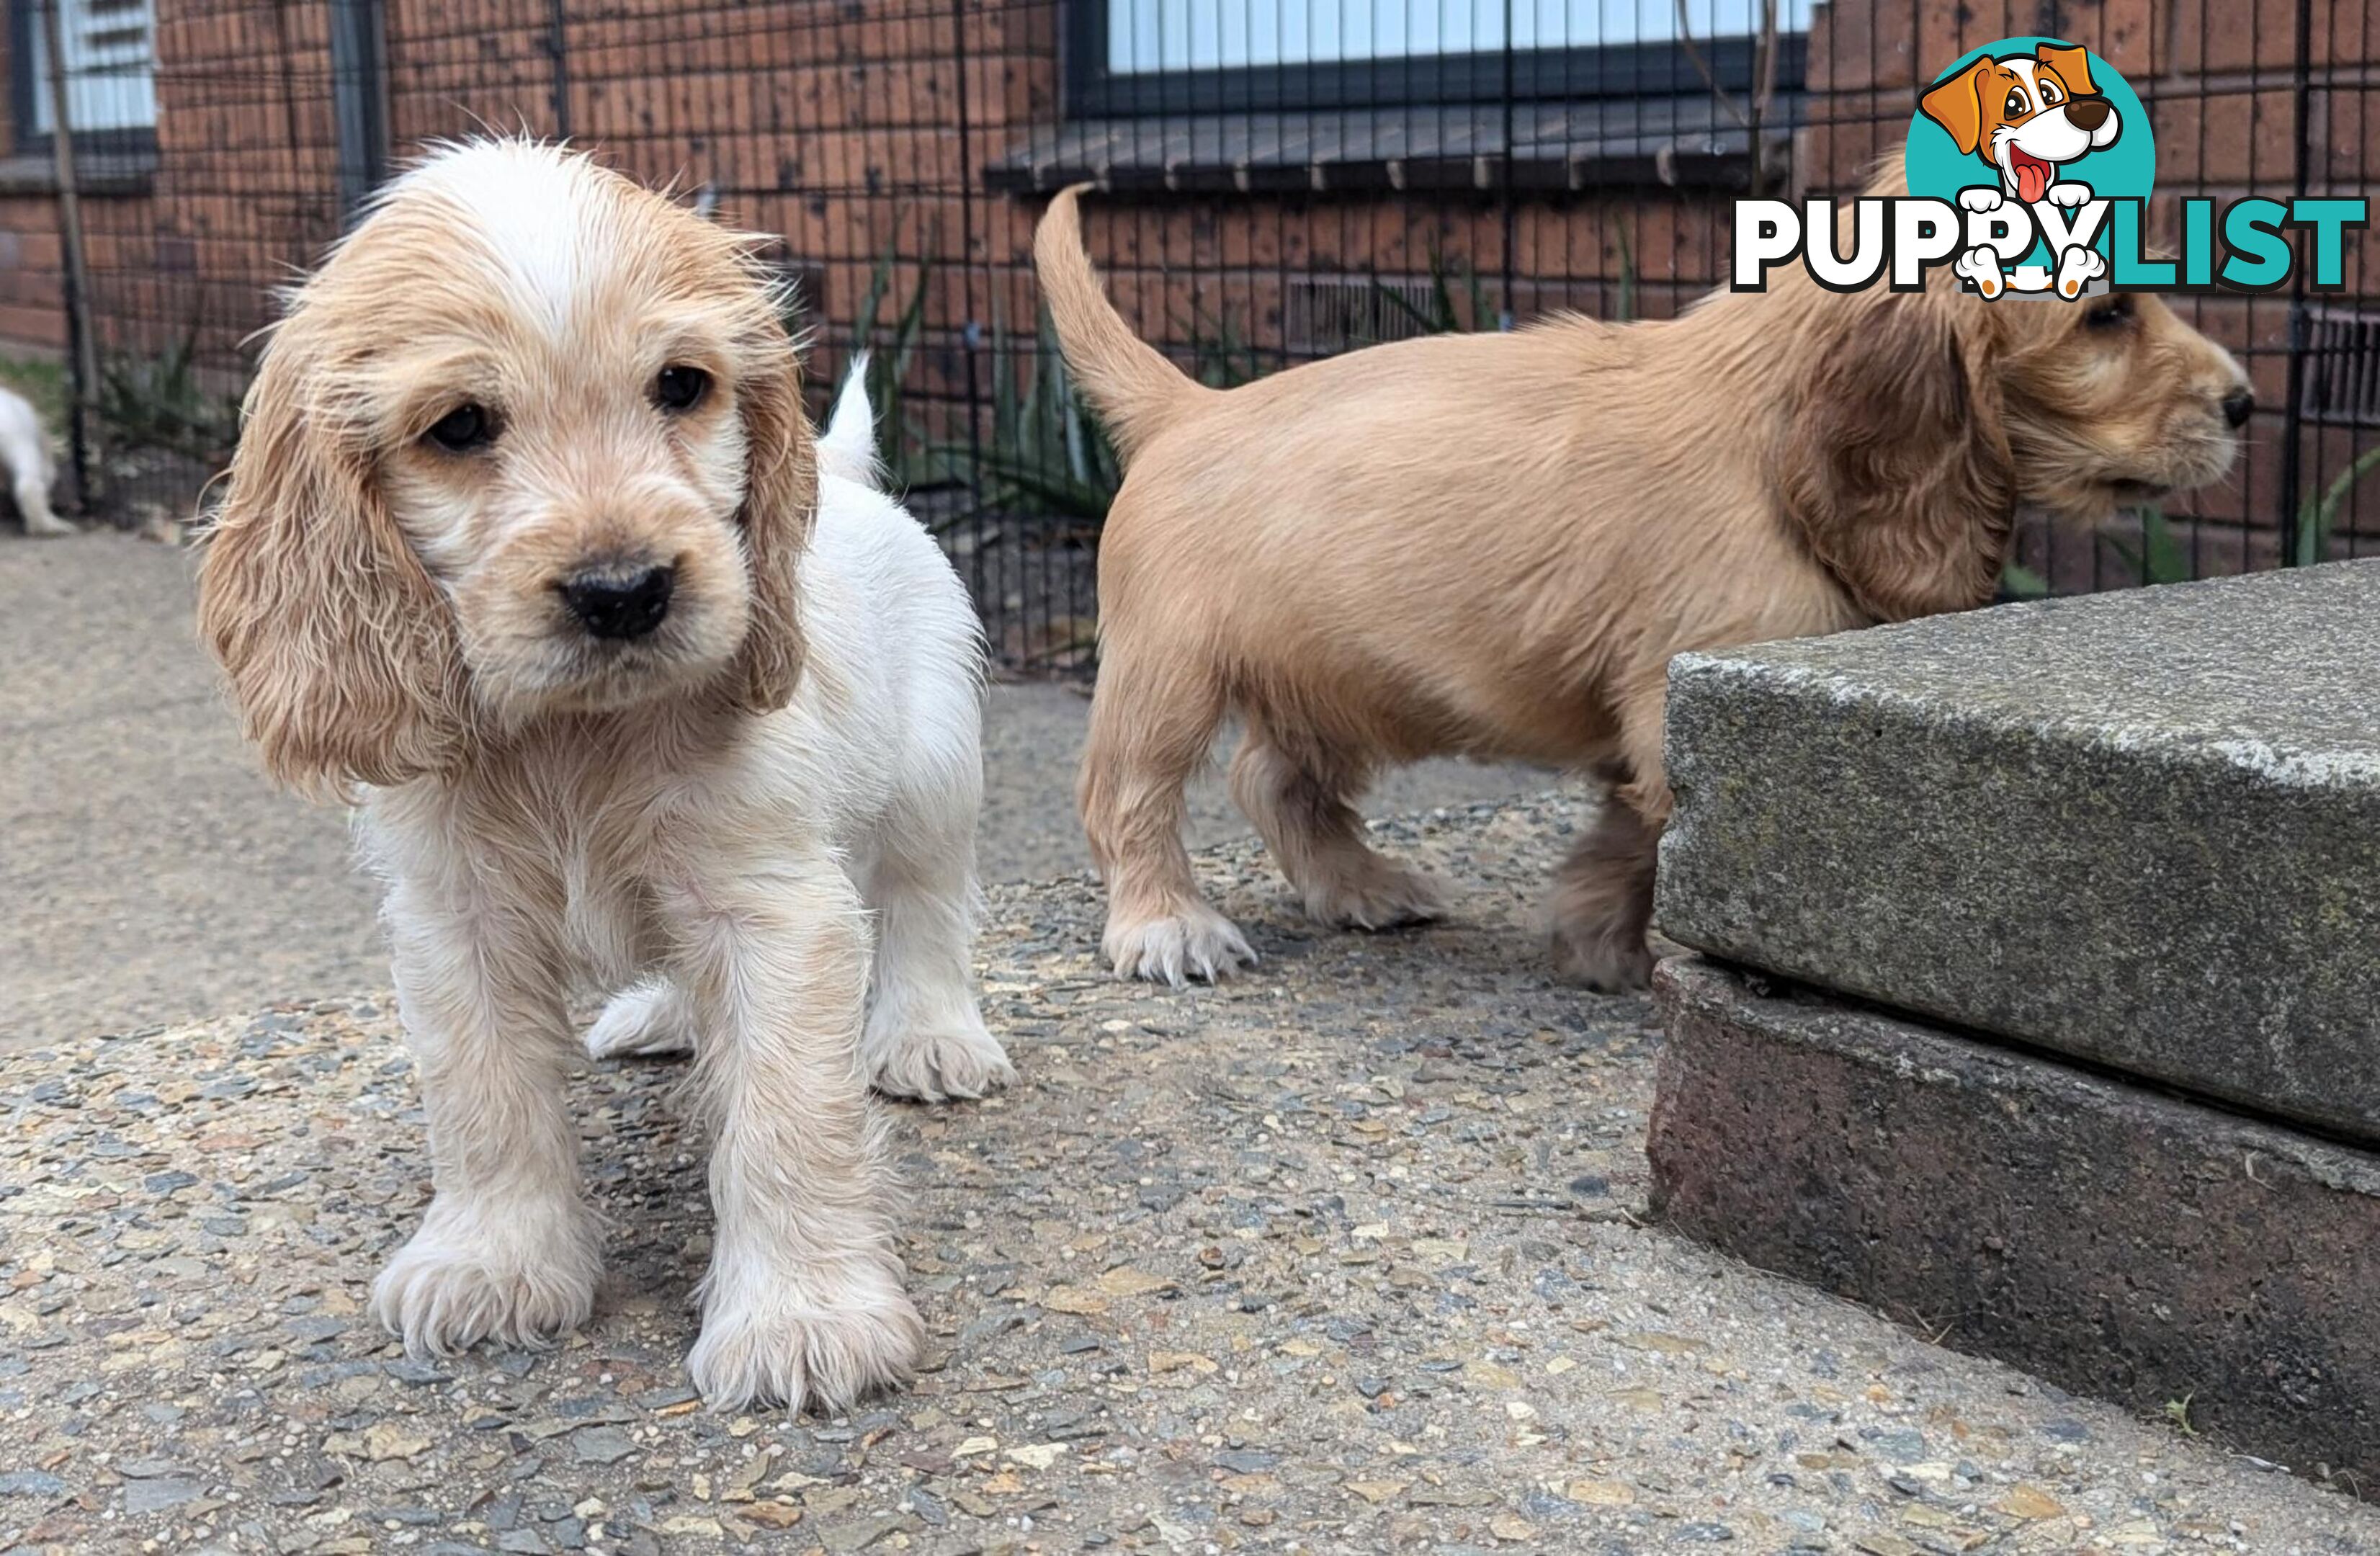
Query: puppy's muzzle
{"x": 619, "y": 603}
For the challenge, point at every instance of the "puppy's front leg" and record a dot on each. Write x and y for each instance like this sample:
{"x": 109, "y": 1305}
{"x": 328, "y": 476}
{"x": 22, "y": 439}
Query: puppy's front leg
{"x": 508, "y": 1250}
{"x": 1603, "y": 894}
{"x": 803, "y": 1301}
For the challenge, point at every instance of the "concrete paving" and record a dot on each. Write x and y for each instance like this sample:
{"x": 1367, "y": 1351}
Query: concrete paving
{"x": 1344, "y": 1257}
{"x": 151, "y": 875}
{"x": 1347, "y": 1256}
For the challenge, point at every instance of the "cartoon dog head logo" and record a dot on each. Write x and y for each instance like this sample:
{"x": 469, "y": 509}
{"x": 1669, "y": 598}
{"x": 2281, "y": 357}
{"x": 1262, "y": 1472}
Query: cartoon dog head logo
{"x": 2028, "y": 115}
{"x": 2034, "y": 141}
{"x": 2030, "y": 166}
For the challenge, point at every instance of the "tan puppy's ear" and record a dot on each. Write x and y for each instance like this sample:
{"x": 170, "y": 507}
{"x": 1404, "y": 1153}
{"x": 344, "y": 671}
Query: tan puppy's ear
{"x": 1897, "y": 465}
{"x": 780, "y": 502}
{"x": 1956, "y": 105}
{"x": 2073, "y": 67}
{"x": 341, "y": 651}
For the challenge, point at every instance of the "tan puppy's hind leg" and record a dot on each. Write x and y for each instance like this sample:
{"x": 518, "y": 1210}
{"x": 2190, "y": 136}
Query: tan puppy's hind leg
{"x": 1302, "y": 809}
{"x": 1153, "y": 719}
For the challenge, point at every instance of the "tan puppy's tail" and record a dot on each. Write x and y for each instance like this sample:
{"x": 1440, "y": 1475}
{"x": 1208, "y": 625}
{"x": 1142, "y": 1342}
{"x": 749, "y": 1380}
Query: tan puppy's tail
{"x": 1129, "y": 382}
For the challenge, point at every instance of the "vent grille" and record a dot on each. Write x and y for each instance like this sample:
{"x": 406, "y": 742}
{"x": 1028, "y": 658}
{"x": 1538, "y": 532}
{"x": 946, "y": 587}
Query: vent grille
{"x": 1324, "y": 315}
{"x": 2341, "y": 386}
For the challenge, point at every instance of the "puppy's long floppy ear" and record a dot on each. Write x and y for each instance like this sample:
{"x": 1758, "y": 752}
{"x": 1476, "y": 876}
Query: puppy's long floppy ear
{"x": 341, "y": 652}
{"x": 1896, "y": 464}
{"x": 2072, "y": 65}
{"x": 1957, "y": 105}
{"x": 780, "y": 501}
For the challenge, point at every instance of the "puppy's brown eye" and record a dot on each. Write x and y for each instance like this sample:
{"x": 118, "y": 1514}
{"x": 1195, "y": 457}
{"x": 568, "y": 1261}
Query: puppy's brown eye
{"x": 680, "y": 388}
{"x": 2110, "y": 313}
{"x": 465, "y": 428}
{"x": 2015, "y": 104}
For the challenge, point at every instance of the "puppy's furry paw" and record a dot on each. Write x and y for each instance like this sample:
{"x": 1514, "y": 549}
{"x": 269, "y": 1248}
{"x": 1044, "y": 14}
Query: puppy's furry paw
{"x": 644, "y": 1020}
{"x": 1608, "y": 960}
{"x": 46, "y": 525}
{"x": 764, "y": 1343}
{"x": 517, "y": 1275}
{"x": 939, "y": 1061}
{"x": 1382, "y": 896}
{"x": 1196, "y": 942}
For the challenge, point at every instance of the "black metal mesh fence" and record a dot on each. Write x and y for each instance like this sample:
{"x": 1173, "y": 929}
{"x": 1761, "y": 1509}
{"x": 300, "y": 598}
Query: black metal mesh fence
{"x": 1286, "y": 178}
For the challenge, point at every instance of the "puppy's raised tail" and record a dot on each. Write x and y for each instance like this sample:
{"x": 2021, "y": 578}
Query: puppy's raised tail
{"x": 1134, "y": 389}
{"x": 847, "y": 447}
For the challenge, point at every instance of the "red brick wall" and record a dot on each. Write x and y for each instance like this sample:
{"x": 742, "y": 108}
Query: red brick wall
{"x": 32, "y": 294}
{"x": 837, "y": 127}
{"x": 241, "y": 190}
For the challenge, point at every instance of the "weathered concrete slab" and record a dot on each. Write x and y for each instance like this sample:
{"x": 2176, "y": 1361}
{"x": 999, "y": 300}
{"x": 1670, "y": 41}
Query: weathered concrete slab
{"x": 2143, "y": 828}
{"x": 2115, "y": 1240}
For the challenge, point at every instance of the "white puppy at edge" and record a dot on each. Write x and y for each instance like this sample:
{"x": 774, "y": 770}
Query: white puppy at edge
{"x": 527, "y": 537}
{"x": 25, "y": 449}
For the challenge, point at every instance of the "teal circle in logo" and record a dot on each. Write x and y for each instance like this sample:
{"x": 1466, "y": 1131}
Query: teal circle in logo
{"x": 1938, "y": 165}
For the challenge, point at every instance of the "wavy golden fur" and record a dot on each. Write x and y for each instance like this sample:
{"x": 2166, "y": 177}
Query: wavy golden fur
{"x": 1492, "y": 545}
{"x": 344, "y": 658}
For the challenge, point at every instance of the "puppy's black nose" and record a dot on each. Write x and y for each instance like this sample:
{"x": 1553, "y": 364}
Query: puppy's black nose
{"x": 2087, "y": 114}
{"x": 619, "y": 601}
{"x": 2238, "y": 406}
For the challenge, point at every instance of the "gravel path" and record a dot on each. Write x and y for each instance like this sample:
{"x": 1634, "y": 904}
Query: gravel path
{"x": 1344, "y": 1258}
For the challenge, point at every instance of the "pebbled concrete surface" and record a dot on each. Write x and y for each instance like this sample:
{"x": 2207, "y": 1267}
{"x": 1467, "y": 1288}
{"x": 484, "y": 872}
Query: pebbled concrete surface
{"x": 2142, "y": 827}
{"x": 148, "y": 874}
{"x": 1347, "y": 1257}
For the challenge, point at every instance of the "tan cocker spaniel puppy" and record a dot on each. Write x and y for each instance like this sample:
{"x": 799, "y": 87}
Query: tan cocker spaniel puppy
{"x": 1491, "y": 545}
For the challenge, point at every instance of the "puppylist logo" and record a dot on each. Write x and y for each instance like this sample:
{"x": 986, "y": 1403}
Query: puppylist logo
{"x": 2029, "y": 164}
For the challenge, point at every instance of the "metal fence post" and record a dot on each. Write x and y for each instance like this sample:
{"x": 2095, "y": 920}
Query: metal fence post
{"x": 2293, "y": 451}
{"x": 82, "y": 346}
{"x": 557, "y": 43}
{"x": 359, "y": 100}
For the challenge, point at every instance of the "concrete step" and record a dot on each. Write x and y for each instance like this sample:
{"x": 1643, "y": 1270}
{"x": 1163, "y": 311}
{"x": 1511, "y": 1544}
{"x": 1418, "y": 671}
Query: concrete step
{"x": 2178, "y": 1260}
{"x": 2143, "y": 828}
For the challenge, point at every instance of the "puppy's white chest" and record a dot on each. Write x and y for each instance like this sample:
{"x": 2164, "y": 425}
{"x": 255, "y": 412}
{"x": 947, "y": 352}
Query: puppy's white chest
{"x": 607, "y": 920}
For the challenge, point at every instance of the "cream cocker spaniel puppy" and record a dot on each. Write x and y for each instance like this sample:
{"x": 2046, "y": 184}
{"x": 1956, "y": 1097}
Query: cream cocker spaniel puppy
{"x": 25, "y": 452}
{"x": 647, "y": 692}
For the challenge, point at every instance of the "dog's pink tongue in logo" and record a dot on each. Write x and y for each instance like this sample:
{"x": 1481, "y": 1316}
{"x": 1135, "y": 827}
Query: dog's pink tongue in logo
{"x": 2033, "y": 175}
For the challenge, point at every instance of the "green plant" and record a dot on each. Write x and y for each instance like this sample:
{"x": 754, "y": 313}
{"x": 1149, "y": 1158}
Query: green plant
{"x": 2178, "y": 1412}
{"x": 2162, "y": 558}
{"x": 2318, "y": 515}
{"x": 1625, "y": 313}
{"x": 2022, "y": 582}
{"x": 1436, "y": 314}
{"x": 888, "y": 361}
{"x": 1221, "y": 357}
{"x": 159, "y": 403}
{"x": 1046, "y": 451}
{"x": 43, "y": 386}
